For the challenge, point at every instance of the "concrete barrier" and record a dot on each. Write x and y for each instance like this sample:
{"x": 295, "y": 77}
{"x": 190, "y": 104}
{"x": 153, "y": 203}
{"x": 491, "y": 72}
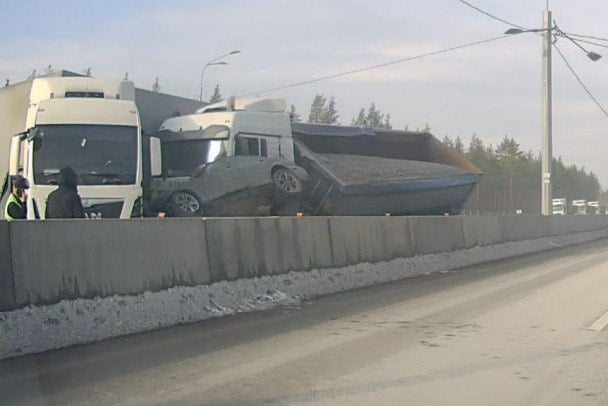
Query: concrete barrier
{"x": 481, "y": 231}
{"x": 47, "y": 261}
{"x": 368, "y": 239}
{"x": 54, "y": 260}
{"x": 570, "y": 224}
{"x": 7, "y": 291}
{"x": 250, "y": 247}
{"x": 518, "y": 228}
{"x": 430, "y": 235}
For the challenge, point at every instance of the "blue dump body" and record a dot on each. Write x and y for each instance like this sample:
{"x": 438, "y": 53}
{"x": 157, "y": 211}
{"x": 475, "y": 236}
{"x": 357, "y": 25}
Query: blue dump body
{"x": 361, "y": 172}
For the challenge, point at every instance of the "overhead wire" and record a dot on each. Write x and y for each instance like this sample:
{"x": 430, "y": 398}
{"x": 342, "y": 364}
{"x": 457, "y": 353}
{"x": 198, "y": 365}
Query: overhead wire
{"x": 579, "y": 37}
{"x": 466, "y": 3}
{"x": 589, "y": 42}
{"x": 367, "y": 68}
{"x": 580, "y": 81}
{"x": 588, "y": 37}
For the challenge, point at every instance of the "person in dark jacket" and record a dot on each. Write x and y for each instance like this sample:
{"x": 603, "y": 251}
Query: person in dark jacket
{"x": 16, "y": 207}
{"x": 64, "y": 202}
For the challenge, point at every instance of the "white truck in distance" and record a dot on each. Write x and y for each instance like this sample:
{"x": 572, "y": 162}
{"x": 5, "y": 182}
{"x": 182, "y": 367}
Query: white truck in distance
{"x": 595, "y": 208}
{"x": 560, "y": 207}
{"x": 580, "y": 206}
{"x": 93, "y": 125}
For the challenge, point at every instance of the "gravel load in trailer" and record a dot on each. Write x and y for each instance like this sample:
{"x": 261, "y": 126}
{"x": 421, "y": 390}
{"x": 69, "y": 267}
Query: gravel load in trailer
{"x": 367, "y": 172}
{"x": 357, "y": 169}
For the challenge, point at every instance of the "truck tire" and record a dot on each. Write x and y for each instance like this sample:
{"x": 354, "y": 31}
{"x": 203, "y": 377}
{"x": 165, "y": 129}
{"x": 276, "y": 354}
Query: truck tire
{"x": 184, "y": 204}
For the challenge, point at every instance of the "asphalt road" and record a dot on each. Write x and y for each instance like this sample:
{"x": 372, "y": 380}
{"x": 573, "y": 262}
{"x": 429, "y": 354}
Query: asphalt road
{"x": 513, "y": 332}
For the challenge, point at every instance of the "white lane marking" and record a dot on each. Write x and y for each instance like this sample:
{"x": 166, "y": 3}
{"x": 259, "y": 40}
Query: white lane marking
{"x": 600, "y": 323}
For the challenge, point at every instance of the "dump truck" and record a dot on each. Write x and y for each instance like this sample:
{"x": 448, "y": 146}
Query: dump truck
{"x": 316, "y": 169}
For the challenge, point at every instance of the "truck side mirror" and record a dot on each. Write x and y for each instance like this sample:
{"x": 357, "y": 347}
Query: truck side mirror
{"x": 33, "y": 134}
{"x": 156, "y": 160}
{"x": 14, "y": 156}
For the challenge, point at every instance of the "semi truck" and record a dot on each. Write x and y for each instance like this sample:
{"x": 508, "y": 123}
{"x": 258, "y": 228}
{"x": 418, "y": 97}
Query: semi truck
{"x": 579, "y": 206}
{"x": 560, "y": 207}
{"x": 594, "y": 207}
{"x": 98, "y": 127}
{"x": 214, "y": 160}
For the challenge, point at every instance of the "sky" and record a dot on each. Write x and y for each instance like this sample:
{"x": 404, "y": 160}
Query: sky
{"x": 491, "y": 89}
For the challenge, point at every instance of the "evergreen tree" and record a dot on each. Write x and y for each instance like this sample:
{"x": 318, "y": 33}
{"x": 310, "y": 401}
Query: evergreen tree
{"x": 459, "y": 145}
{"x": 317, "y": 109}
{"x": 361, "y": 120}
{"x": 387, "y": 123}
{"x": 293, "y": 115}
{"x": 330, "y": 114}
{"x": 216, "y": 96}
{"x": 447, "y": 141}
{"x": 372, "y": 118}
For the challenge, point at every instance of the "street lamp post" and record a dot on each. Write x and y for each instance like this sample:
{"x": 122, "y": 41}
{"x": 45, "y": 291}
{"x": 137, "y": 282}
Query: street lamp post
{"x": 215, "y": 61}
{"x": 547, "y": 114}
{"x": 547, "y": 119}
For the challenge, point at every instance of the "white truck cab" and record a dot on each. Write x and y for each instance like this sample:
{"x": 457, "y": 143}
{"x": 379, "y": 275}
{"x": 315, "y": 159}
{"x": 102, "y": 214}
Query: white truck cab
{"x": 253, "y": 126}
{"x": 580, "y": 206}
{"x": 87, "y": 123}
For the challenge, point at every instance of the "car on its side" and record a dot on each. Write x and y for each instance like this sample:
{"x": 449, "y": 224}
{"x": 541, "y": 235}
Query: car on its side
{"x": 233, "y": 186}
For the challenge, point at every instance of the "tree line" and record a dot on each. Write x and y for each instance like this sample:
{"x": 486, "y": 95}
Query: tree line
{"x": 512, "y": 177}
{"x": 323, "y": 111}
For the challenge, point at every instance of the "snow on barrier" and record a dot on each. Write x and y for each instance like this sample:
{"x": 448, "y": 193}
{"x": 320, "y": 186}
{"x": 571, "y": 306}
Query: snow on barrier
{"x": 75, "y": 281}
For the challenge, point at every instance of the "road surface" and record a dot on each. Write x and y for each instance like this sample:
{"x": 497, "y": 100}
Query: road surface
{"x": 525, "y": 331}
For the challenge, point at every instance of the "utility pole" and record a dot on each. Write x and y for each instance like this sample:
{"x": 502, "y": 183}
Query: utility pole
{"x": 547, "y": 153}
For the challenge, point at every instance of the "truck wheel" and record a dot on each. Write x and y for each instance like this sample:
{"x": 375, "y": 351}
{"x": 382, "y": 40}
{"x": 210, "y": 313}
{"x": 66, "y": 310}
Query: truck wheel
{"x": 286, "y": 181}
{"x": 184, "y": 204}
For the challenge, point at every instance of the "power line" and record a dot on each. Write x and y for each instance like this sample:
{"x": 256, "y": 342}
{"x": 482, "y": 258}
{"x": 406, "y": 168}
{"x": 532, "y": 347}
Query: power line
{"x": 592, "y": 55}
{"x": 580, "y": 81}
{"x": 351, "y": 72}
{"x": 579, "y": 37}
{"x": 589, "y": 42}
{"x": 466, "y": 3}
{"x": 588, "y": 37}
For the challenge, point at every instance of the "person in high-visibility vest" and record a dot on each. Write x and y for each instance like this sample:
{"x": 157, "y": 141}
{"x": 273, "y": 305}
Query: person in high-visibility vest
{"x": 16, "y": 207}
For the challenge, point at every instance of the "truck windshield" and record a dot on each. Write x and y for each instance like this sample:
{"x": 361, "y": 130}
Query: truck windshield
{"x": 182, "y": 158}
{"x": 100, "y": 154}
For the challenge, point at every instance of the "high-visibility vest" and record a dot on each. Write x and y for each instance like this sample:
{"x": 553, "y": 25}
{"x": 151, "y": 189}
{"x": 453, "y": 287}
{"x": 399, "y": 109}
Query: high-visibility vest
{"x": 11, "y": 199}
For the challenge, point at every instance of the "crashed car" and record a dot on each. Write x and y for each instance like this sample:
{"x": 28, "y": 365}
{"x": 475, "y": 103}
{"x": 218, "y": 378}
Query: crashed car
{"x": 233, "y": 186}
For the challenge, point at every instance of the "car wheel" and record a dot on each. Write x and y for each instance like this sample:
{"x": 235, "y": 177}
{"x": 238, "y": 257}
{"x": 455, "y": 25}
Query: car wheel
{"x": 287, "y": 181}
{"x": 185, "y": 204}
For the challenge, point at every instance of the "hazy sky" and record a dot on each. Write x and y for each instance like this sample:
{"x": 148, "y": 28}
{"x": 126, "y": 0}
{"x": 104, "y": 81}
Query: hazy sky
{"x": 491, "y": 89}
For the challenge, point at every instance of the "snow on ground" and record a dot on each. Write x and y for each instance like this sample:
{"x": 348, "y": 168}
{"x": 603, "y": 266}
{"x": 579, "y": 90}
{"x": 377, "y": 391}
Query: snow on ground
{"x": 41, "y": 328}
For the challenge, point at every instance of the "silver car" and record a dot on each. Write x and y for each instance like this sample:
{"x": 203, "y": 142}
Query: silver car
{"x": 232, "y": 186}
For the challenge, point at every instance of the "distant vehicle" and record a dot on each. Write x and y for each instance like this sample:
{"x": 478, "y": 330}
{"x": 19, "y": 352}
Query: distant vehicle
{"x": 580, "y": 206}
{"x": 560, "y": 207}
{"x": 595, "y": 208}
